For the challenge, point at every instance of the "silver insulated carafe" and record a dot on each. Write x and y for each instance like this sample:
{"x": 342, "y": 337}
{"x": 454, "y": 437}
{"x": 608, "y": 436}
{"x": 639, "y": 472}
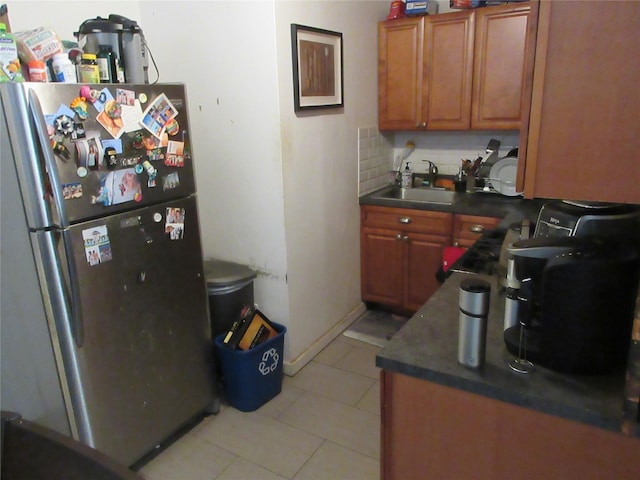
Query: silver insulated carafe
{"x": 473, "y": 307}
{"x": 126, "y": 40}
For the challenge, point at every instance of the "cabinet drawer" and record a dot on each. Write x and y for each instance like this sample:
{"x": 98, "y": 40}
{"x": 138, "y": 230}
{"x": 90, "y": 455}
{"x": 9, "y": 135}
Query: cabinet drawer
{"x": 420, "y": 221}
{"x": 468, "y": 228}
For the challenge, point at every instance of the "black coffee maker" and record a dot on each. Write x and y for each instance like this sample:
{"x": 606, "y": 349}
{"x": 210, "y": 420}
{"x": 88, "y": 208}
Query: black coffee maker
{"x": 576, "y": 302}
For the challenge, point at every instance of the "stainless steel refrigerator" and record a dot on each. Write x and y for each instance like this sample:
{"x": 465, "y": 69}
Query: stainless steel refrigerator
{"x": 105, "y": 327}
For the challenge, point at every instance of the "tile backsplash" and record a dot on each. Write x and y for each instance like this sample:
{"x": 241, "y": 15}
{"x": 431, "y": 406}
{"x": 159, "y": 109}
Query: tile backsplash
{"x": 375, "y": 156}
{"x": 377, "y": 152}
{"x": 446, "y": 149}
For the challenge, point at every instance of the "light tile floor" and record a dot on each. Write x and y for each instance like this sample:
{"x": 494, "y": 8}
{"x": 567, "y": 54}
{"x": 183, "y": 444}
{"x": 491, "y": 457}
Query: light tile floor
{"x": 324, "y": 425}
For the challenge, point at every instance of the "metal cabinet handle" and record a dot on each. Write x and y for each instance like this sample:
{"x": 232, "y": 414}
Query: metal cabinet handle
{"x": 476, "y": 228}
{"x": 399, "y": 236}
{"x": 405, "y": 220}
{"x": 405, "y": 238}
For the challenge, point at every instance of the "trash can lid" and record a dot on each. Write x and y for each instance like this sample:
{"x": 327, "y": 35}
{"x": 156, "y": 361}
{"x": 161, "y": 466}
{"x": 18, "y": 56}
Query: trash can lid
{"x": 219, "y": 273}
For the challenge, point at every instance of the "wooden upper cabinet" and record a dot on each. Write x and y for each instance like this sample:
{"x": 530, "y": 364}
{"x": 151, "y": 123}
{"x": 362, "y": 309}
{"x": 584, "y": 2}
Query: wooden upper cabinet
{"x": 499, "y": 66}
{"x": 448, "y": 67}
{"x": 582, "y": 140}
{"x": 400, "y": 73}
{"x": 452, "y": 71}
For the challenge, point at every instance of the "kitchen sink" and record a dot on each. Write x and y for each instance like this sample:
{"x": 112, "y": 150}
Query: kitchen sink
{"x": 439, "y": 196}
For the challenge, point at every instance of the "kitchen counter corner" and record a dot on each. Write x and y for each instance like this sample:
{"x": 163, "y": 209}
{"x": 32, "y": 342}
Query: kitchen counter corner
{"x": 426, "y": 348}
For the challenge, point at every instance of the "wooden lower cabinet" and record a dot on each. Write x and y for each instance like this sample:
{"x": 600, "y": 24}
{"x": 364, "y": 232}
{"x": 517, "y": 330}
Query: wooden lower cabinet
{"x": 401, "y": 251}
{"x": 431, "y": 431}
{"x": 382, "y": 255}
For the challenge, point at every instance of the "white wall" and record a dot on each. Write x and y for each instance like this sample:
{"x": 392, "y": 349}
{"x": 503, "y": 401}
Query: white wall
{"x": 225, "y": 52}
{"x": 64, "y": 16}
{"x": 319, "y": 154}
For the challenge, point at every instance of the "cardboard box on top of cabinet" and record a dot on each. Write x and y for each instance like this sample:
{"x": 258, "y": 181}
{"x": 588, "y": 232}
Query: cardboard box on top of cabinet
{"x": 416, "y": 7}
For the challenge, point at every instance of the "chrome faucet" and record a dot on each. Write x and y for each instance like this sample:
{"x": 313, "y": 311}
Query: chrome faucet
{"x": 432, "y": 170}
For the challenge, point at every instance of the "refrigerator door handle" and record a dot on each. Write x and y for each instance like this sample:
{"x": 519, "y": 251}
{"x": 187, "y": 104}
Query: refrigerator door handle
{"x": 49, "y": 159}
{"x": 77, "y": 326}
{"x": 56, "y": 191}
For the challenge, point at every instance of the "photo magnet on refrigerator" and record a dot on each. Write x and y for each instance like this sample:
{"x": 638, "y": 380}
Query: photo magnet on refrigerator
{"x": 97, "y": 246}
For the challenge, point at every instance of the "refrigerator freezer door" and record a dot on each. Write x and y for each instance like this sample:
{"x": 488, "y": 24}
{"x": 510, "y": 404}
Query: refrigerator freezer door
{"x": 146, "y": 360}
{"x": 126, "y": 149}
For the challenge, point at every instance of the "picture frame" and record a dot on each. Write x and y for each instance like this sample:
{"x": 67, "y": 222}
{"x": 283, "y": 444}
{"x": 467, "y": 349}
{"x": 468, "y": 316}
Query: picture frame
{"x": 317, "y": 68}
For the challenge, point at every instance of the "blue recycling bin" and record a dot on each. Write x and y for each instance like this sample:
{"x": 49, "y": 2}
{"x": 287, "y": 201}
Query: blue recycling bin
{"x": 251, "y": 378}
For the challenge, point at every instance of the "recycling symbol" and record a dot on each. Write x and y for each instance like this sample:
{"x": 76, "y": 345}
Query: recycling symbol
{"x": 269, "y": 362}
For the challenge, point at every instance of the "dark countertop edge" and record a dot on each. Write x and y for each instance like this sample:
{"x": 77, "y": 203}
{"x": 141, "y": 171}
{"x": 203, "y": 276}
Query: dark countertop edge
{"x": 537, "y": 404}
{"x": 479, "y": 204}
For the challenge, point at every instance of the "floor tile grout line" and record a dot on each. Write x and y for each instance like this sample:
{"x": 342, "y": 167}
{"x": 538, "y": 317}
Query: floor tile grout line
{"x": 373, "y": 381}
{"x": 324, "y": 440}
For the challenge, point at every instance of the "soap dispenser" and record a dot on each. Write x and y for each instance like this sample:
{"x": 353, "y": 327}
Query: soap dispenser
{"x": 407, "y": 180}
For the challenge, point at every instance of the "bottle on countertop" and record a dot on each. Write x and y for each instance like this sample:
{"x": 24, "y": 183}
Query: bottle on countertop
{"x": 407, "y": 179}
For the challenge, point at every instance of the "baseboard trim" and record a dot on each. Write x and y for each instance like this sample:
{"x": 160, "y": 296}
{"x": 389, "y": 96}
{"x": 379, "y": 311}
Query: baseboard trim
{"x": 294, "y": 366}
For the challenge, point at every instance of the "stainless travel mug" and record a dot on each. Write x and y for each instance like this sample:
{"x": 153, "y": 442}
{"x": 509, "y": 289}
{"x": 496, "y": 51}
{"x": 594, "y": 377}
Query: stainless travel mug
{"x": 474, "y": 309}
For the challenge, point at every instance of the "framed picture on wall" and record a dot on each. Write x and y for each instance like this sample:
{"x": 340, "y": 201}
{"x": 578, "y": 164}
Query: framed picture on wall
{"x": 317, "y": 68}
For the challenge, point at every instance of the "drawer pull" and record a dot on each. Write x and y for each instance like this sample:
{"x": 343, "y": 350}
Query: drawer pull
{"x": 405, "y": 220}
{"x": 399, "y": 236}
{"x": 476, "y": 228}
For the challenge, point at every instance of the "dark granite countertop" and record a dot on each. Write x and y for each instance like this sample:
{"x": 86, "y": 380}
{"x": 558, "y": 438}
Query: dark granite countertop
{"x": 480, "y": 204}
{"x": 426, "y": 348}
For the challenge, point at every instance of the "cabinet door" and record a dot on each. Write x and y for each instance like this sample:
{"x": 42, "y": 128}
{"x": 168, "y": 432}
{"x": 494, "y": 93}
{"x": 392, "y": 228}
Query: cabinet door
{"x": 499, "y": 67}
{"x": 424, "y": 425}
{"x": 400, "y": 73}
{"x": 448, "y": 66}
{"x": 423, "y": 259}
{"x": 582, "y": 142}
{"x": 382, "y": 278}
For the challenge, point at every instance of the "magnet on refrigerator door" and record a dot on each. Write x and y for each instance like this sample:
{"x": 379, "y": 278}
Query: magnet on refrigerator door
{"x": 125, "y": 97}
{"x": 174, "y": 226}
{"x": 158, "y": 114}
{"x": 80, "y": 106}
{"x": 114, "y": 143}
{"x": 99, "y": 98}
{"x": 172, "y": 127}
{"x": 171, "y": 181}
{"x": 97, "y": 246}
{"x": 90, "y": 153}
{"x": 155, "y": 154}
{"x": 175, "y": 154}
{"x": 110, "y": 158}
{"x": 78, "y": 131}
{"x": 71, "y": 190}
{"x": 151, "y": 172}
{"x": 111, "y": 123}
{"x": 118, "y": 187}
